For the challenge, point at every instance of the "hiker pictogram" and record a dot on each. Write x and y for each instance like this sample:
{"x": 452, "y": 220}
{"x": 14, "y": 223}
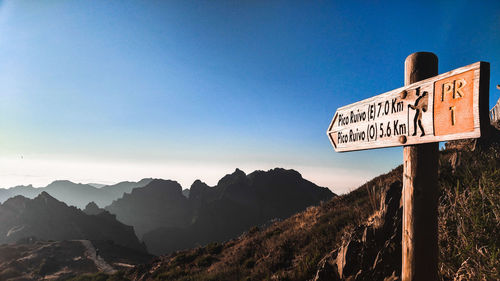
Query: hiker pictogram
{"x": 420, "y": 106}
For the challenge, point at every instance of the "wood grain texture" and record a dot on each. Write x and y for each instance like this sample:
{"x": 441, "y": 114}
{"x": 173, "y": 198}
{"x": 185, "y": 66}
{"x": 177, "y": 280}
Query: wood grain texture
{"x": 420, "y": 191}
{"x": 382, "y": 120}
{"x": 484, "y": 96}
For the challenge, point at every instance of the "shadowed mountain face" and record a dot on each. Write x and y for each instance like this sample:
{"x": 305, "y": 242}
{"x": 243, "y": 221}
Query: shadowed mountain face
{"x": 74, "y": 194}
{"x": 49, "y": 219}
{"x": 160, "y": 203}
{"x": 168, "y": 221}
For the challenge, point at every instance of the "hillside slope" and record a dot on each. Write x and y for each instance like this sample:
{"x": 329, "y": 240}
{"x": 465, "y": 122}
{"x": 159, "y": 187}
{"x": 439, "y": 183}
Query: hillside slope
{"x": 59, "y": 260}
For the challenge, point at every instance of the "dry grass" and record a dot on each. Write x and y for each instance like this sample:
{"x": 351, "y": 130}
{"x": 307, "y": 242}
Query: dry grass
{"x": 469, "y": 217}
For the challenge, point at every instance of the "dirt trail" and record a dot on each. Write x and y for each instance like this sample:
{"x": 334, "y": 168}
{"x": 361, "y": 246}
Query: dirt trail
{"x": 99, "y": 262}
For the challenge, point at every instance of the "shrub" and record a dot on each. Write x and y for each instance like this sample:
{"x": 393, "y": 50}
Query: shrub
{"x": 204, "y": 261}
{"x": 214, "y": 248}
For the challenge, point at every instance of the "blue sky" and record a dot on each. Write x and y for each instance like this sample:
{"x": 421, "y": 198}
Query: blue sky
{"x": 101, "y": 91}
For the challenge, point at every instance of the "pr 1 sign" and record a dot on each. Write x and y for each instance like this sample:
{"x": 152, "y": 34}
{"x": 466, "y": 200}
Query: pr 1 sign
{"x": 441, "y": 108}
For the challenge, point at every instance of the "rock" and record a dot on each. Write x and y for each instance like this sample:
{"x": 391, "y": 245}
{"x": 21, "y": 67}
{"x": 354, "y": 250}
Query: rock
{"x": 371, "y": 251}
{"x": 328, "y": 270}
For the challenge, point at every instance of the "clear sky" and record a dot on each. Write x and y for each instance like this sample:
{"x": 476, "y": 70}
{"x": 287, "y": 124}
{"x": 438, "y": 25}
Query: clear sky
{"x": 104, "y": 91}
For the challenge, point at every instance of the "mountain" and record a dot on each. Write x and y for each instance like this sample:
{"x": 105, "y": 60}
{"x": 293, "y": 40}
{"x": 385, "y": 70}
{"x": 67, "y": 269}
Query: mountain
{"x": 168, "y": 221}
{"x": 25, "y": 190}
{"x": 357, "y": 236}
{"x": 239, "y": 202}
{"x": 78, "y": 195}
{"x": 93, "y": 209}
{"x": 74, "y": 194}
{"x": 116, "y": 191}
{"x": 159, "y": 203}
{"x": 46, "y": 218}
{"x": 286, "y": 250}
{"x": 59, "y": 260}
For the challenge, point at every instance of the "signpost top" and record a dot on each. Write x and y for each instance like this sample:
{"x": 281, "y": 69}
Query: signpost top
{"x": 442, "y": 108}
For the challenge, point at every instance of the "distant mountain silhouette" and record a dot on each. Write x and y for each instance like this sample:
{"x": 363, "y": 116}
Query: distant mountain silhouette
{"x": 168, "y": 221}
{"x": 116, "y": 191}
{"x": 160, "y": 203}
{"x": 78, "y": 195}
{"x": 46, "y": 218}
{"x": 27, "y": 191}
{"x": 93, "y": 209}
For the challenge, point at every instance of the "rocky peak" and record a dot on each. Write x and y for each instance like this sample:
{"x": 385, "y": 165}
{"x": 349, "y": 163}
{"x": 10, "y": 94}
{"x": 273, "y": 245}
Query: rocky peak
{"x": 197, "y": 188}
{"x": 238, "y": 176}
{"x": 92, "y": 209}
{"x": 162, "y": 187}
{"x": 277, "y": 172}
{"x": 58, "y": 183}
{"x": 46, "y": 199}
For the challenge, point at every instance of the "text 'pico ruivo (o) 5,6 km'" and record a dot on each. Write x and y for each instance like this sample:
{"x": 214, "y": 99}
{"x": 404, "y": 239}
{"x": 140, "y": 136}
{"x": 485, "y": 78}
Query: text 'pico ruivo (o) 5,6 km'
{"x": 441, "y": 108}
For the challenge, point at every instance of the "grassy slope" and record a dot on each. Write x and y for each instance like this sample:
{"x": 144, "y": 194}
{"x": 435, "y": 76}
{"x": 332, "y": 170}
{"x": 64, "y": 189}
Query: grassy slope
{"x": 469, "y": 216}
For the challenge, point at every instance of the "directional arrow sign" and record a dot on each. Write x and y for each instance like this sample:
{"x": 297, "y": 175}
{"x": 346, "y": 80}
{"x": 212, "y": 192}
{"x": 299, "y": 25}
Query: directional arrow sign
{"x": 450, "y": 106}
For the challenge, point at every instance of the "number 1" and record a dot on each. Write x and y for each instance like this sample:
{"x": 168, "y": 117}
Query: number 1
{"x": 452, "y": 109}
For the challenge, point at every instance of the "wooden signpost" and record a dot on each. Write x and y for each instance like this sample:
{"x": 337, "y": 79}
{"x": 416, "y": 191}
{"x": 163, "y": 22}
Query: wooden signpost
{"x": 440, "y": 108}
{"x": 430, "y": 108}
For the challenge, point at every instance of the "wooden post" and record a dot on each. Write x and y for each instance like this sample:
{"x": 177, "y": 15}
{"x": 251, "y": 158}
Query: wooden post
{"x": 420, "y": 190}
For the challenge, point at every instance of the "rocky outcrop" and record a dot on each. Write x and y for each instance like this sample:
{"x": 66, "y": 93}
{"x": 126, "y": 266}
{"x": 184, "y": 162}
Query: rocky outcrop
{"x": 371, "y": 251}
{"x": 452, "y": 156}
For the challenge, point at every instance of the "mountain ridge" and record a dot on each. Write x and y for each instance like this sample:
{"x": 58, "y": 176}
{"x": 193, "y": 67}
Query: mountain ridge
{"x": 75, "y": 194}
{"x": 216, "y": 213}
{"x": 46, "y": 218}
